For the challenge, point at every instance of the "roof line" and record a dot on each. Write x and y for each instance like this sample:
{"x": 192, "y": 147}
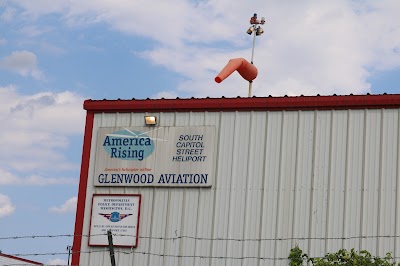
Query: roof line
{"x": 20, "y": 259}
{"x": 297, "y": 103}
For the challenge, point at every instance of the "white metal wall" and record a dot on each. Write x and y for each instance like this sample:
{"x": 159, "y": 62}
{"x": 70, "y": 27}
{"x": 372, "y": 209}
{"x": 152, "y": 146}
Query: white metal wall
{"x": 322, "y": 180}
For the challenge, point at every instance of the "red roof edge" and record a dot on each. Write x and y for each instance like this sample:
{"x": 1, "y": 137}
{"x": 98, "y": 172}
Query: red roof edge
{"x": 297, "y": 103}
{"x": 20, "y": 259}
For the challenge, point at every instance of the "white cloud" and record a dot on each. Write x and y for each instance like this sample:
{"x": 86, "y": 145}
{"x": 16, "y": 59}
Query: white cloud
{"x": 7, "y": 178}
{"x": 6, "y": 207}
{"x": 68, "y": 206}
{"x": 23, "y": 63}
{"x": 39, "y": 180}
{"x": 381, "y": 33}
{"x": 34, "y": 30}
{"x": 166, "y": 95}
{"x": 319, "y": 47}
{"x": 57, "y": 262}
{"x": 308, "y": 47}
{"x": 174, "y": 19}
{"x": 41, "y": 7}
{"x": 38, "y": 129}
{"x": 8, "y": 14}
{"x": 51, "y": 49}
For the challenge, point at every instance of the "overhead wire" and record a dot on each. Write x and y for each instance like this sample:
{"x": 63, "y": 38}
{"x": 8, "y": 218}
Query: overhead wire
{"x": 173, "y": 238}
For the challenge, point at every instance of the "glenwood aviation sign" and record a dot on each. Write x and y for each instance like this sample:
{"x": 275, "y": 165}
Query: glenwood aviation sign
{"x": 160, "y": 156}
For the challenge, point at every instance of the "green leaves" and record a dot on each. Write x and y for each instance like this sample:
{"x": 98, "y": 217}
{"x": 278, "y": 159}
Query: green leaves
{"x": 296, "y": 256}
{"x": 342, "y": 257}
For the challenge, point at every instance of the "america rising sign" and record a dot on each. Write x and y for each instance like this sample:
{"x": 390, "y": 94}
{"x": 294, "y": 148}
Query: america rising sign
{"x": 159, "y": 156}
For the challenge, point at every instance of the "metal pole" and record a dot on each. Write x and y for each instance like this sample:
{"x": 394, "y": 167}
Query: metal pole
{"x": 254, "y": 44}
{"x": 111, "y": 247}
{"x": 252, "y": 57}
{"x": 250, "y": 83}
{"x": 69, "y": 253}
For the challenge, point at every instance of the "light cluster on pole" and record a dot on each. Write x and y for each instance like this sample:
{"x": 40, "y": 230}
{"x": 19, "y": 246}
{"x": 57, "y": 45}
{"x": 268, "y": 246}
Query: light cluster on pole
{"x": 255, "y": 25}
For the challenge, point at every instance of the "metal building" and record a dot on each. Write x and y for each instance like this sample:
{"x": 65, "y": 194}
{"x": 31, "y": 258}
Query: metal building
{"x": 319, "y": 172}
{"x": 6, "y": 260}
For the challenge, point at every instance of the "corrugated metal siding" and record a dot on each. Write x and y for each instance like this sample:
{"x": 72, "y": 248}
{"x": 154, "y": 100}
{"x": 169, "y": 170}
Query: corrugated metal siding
{"x": 322, "y": 180}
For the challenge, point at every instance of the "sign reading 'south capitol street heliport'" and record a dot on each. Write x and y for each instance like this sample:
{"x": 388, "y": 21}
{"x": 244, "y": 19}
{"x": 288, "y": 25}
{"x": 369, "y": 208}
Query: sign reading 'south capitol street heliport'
{"x": 157, "y": 156}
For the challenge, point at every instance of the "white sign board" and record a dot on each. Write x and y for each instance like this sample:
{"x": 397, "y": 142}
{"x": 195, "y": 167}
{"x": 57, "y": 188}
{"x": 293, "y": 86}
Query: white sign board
{"x": 118, "y": 213}
{"x": 155, "y": 156}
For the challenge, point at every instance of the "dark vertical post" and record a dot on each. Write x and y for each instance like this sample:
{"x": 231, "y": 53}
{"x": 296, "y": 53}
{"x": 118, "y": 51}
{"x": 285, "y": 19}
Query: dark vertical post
{"x": 111, "y": 247}
{"x": 69, "y": 253}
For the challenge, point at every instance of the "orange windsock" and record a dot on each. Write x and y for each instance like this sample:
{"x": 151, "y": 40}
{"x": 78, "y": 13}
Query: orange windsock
{"x": 246, "y": 70}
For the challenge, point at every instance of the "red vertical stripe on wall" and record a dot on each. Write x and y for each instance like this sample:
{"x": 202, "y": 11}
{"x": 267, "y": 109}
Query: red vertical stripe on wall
{"x": 80, "y": 208}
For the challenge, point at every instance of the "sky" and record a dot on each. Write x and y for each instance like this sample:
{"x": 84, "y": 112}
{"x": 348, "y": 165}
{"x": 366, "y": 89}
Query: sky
{"x": 54, "y": 54}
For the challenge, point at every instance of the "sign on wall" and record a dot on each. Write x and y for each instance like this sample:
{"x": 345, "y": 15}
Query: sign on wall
{"x": 118, "y": 213}
{"x": 159, "y": 156}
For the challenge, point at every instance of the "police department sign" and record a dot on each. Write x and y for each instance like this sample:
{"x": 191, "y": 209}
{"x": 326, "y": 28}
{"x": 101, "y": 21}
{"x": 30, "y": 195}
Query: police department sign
{"x": 118, "y": 213}
{"x": 160, "y": 156}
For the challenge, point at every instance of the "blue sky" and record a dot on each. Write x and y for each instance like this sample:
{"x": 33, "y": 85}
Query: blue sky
{"x": 54, "y": 54}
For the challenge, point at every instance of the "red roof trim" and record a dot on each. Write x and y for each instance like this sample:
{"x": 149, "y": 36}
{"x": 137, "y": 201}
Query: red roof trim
{"x": 20, "y": 259}
{"x": 386, "y": 101}
{"x": 80, "y": 208}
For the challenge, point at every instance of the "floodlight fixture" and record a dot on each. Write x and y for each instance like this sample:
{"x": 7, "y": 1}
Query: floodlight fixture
{"x": 259, "y": 31}
{"x": 150, "y": 120}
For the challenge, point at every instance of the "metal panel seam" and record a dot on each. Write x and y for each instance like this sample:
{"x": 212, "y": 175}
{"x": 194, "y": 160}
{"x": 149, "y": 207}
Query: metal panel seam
{"x": 346, "y": 176}
{"x": 296, "y": 171}
{"x": 247, "y": 182}
{"x": 380, "y": 180}
{"x": 231, "y": 194}
{"x": 279, "y": 184}
{"x": 312, "y": 180}
{"x": 329, "y": 183}
{"x": 396, "y": 229}
{"x": 363, "y": 179}
{"x": 215, "y": 185}
{"x": 263, "y": 184}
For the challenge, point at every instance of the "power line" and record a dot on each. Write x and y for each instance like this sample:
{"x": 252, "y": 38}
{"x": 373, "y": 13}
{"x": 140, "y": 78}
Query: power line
{"x": 163, "y": 255}
{"x": 42, "y": 236}
{"x": 205, "y": 238}
{"x": 153, "y": 254}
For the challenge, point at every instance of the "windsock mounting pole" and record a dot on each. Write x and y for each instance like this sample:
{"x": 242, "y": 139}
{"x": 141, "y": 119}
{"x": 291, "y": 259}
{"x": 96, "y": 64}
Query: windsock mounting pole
{"x": 252, "y": 57}
{"x": 257, "y": 31}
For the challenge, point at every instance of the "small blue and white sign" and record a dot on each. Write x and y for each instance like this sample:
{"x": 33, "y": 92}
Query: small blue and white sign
{"x": 118, "y": 213}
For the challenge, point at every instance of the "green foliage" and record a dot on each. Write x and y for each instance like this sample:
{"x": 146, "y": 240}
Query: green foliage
{"x": 342, "y": 257}
{"x": 296, "y": 256}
